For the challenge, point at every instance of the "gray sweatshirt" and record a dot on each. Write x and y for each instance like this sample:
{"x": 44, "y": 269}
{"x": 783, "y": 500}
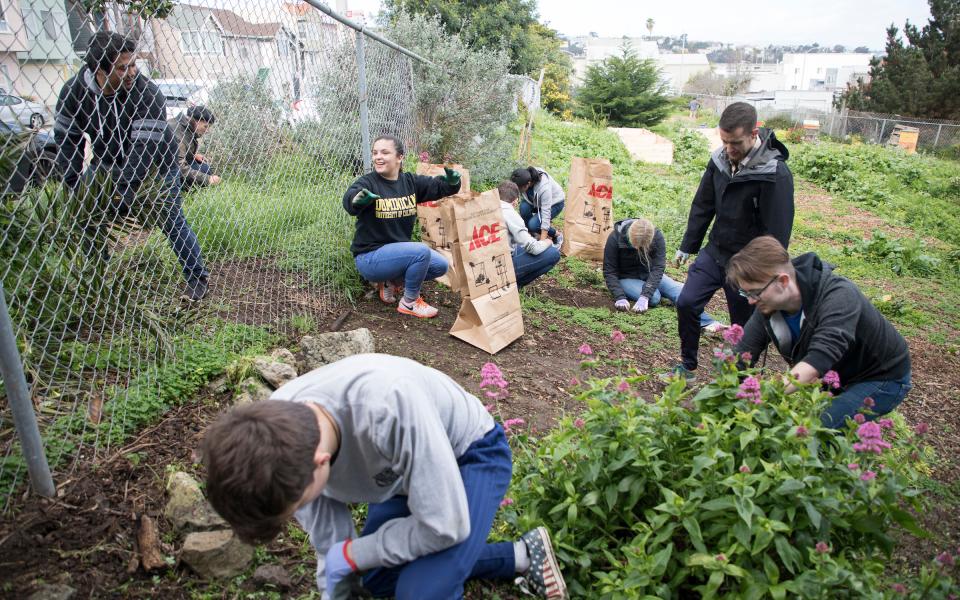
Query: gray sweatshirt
{"x": 519, "y": 235}
{"x": 402, "y": 428}
{"x": 543, "y": 196}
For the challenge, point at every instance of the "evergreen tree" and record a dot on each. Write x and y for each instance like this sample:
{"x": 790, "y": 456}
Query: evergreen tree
{"x": 921, "y": 77}
{"x": 624, "y": 90}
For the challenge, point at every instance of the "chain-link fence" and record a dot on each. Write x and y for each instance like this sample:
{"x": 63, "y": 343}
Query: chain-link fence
{"x": 118, "y": 208}
{"x": 846, "y": 124}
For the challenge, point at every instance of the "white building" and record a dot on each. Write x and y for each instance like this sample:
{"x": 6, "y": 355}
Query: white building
{"x": 597, "y": 49}
{"x": 827, "y": 71}
{"x": 764, "y": 77}
{"x": 677, "y": 69}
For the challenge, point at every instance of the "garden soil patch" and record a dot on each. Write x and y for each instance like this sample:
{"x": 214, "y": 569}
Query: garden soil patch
{"x": 86, "y": 537}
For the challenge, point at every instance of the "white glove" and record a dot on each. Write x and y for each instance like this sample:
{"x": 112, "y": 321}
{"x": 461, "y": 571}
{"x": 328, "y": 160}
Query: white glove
{"x": 643, "y": 303}
{"x": 622, "y": 304}
{"x": 681, "y": 257}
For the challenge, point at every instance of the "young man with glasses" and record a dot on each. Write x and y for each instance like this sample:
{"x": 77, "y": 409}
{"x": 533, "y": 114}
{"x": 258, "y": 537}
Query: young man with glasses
{"x": 746, "y": 191}
{"x": 820, "y": 322}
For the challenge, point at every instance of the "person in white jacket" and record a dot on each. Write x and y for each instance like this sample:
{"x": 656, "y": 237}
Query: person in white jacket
{"x": 531, "y": 257}
{"x": 542, "y": 200}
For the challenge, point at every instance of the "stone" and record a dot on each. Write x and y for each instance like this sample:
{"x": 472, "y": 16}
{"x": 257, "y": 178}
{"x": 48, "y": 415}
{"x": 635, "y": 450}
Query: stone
{"x": 187, "y": 509}
{"x": 53, "y": 591}
{"x": 251, "y": 389}
{"x": 323, "y": 349}
{"x": 284, "y": 356}
{"x": 220, "y": 385}
{"x": 274, "y": 372}
{"x": 216, "y": 554}
{"x": 273, "y": 575}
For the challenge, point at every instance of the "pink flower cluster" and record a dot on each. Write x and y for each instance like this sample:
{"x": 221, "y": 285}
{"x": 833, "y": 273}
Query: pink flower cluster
{"x": 802, "y": 431}
{"x": 617, "y": 336}
{"x": 733, "y": 334}
{"x": 868, "y": 476}
{"x": 492, "y": 377}
{"x": 624, "y": 387}
{"x": 511, "y": 423}
{"x": 585, "y": 349}
{"x": 506, "y": 502}
{"x": 822, "y": 548}
{"x": 871, "y": 438}
{"x": 832, "y": 379}
{"x": 424, "y": 156}
{"x": 750, "y": 390}
{"x": 921, "y": 428}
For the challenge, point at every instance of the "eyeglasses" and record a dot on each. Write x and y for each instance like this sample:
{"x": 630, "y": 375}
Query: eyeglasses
{"x": 749, "y": 295}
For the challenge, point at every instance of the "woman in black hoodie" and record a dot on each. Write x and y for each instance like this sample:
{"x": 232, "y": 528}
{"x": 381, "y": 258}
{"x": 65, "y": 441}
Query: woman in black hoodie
{"x": 634, "y": 260}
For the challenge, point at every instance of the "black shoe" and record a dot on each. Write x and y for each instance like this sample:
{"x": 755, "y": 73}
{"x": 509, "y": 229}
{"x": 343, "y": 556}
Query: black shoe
{"x": 196, "y": 290}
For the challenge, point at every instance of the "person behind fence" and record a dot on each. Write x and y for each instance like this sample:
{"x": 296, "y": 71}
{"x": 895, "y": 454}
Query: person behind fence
{"x": 541, "y": 200}
{"x": 424, "y": 453}
{"x": 385, "y": 204}
{"x": 188, "y": 128}
{"x": 531, "y": 257}
{"x": 123, "y": 113}
{"x": 634, "y": 261}
{"x": 746, "y": 191}
{"x": 823, "y": 326}
{"x": 694, "y": 108}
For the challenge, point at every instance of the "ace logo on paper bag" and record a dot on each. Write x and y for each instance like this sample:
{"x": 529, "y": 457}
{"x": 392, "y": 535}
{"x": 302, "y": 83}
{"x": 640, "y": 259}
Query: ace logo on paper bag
{"x": 437, "y": 227}
{"x": 485, "y": 235}
{"x": 589, "y": 214}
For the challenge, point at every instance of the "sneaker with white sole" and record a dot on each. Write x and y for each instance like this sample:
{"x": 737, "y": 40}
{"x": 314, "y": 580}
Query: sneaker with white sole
{"x": 678, "y": 372}
{"x": 418, "y": 308}
{"x": 558, "y": 240}
{"x": 543, "y": 578}
{"x": 715, "y": 328}
{"x": 387, "y": 292}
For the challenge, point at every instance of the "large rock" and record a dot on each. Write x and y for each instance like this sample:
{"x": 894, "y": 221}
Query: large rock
{"x": 216, "y": 554}
{"x": 53, "y": 591}
{"x": 323, "y": 349}
{"x": 272, "y": 575}
{"x": 274, "y": 372}
{"x": 251, "y": 389}
{"x": 187, "y": 509}
{"x": 284, "y": 356}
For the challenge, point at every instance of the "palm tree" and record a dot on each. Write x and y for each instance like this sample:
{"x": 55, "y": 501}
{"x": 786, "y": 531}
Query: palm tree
{"x": 650, "y": 26}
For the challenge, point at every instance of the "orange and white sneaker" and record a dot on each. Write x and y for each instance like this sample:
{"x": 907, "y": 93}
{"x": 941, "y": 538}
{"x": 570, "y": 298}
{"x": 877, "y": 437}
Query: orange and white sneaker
{"x": 543, "y": 578}
{"x": 418, "y": 308}
{"x": 388, "y": 292}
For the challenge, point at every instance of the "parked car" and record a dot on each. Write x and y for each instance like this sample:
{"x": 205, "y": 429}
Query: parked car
{"x": 181, "y": 94}
{"x": 26, "y": 112}
{"x": 35, "y": 154}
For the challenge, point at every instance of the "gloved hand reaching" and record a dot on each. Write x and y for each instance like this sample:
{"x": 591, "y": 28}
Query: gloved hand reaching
{"x": 363, "y": 198}
{"x": 681, "y": 257}
{"x": 622, "y": 304}
{"x": 451, "y": 176}
{"x": 642, "y": 304}
{"x": 338, "y": 564}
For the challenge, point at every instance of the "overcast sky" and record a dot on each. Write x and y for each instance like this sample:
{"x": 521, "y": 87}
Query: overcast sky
{"x": 829, "y": 22}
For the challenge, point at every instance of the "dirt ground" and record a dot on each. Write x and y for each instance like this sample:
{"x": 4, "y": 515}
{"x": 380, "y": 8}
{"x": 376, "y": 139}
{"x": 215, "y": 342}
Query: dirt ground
{"x": 86, "y": 537}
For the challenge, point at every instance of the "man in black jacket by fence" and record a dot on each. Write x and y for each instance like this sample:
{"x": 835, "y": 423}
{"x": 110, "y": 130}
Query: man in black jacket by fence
{"x": 124, "y": 113}
{"x": 821, "y": 322}
{"x": 746, "y": 191}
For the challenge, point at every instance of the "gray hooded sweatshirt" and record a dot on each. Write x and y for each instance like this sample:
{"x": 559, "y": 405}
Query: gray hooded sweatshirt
{"x": 402, "y": 428}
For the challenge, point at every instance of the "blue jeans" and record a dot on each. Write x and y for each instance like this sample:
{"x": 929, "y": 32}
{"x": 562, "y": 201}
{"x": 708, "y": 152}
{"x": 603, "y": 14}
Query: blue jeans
{"x": 531, "y": 217}
{"x": 528, "y": 267}
{"x": 412, "y": 262}
{"x": 197, "y": 166}
{"x": 886, "y": 395}
{"x": 174, "y": 224}
{"x": 485, "y": 469}
{"x": 668, "y": 289}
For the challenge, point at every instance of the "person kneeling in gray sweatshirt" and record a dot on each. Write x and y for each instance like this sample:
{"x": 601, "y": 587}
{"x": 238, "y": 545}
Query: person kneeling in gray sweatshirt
{"x": 419, "y": 449}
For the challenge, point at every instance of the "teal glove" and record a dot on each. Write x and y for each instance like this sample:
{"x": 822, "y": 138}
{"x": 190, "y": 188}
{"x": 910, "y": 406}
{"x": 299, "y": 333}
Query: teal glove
{"x": 363, "y": 198}
{"x": 451, "y": 176}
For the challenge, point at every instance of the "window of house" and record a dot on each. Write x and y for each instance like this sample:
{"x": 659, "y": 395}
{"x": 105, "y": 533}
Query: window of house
{"x": 205, "y": 40}
{"x": 49, "y": 24}
{"x": 3, "y": 19}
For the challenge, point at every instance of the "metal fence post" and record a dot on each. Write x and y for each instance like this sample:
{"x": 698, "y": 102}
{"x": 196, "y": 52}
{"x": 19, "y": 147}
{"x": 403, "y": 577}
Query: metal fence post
{"x": 364, "y": 114}
{"x": 936, "y": 140}
{"x": 24, "y": 418}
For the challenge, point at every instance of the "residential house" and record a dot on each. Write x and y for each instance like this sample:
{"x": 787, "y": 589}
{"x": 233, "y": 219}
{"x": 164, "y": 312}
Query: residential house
{"x": 49, "y": 59}
{"x": 596, "y": 49}
{"x": 200, "y": 43}
{"x": 13, "y": 39}
{"x": 318, "y": 34}
{"x": 677, "y": 69}
{"x": 826, "y": 71}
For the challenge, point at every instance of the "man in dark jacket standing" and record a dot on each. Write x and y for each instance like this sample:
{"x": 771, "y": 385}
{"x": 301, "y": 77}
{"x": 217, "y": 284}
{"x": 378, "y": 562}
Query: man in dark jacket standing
{"x": 746, "y": 191}
{"x": 188, "y": 128}
{"x": 123, "y": 113}
{"x": 820, "y": 322}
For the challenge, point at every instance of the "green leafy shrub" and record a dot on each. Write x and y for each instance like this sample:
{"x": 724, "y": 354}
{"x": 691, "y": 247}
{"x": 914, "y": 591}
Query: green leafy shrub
{"x": 903, "y": 256}
{"x": 247, "y": 133}
{"x": 734, "y": 491}
{"x": 690, "y": 150}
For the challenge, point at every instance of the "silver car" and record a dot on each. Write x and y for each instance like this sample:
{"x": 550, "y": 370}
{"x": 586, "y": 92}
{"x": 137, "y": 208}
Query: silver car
{"x": 29, "y": 114}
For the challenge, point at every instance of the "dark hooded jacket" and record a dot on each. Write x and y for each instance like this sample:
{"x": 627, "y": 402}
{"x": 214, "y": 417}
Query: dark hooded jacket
{"x": 128, "y": 130}
{"x": 623, "y": 261}
{"x": 187, "y": 144}
{"x": 757, "y": 201}
{"x": 840, "y": 329}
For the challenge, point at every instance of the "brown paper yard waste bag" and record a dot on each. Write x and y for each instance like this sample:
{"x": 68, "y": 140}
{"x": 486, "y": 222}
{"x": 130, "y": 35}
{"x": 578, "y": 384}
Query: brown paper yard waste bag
{"x": 588, "y": 216}
{"x": 437, "y": 228}
{"x": 490, "y": 316}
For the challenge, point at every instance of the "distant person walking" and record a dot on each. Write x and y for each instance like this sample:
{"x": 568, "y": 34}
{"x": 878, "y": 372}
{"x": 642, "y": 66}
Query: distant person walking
{"x": 694, "y": 108}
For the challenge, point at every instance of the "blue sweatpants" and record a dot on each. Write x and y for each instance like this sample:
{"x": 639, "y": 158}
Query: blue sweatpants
{"x": 485, "y": 468}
